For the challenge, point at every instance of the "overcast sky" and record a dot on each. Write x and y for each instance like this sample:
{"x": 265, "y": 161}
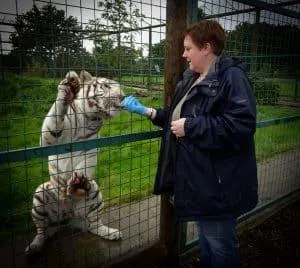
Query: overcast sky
{"x": 85, "y": 10}
{"x": 154, "y": 10}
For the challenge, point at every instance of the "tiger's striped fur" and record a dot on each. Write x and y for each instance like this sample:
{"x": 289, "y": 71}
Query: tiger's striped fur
{"x": 76, "y": 115}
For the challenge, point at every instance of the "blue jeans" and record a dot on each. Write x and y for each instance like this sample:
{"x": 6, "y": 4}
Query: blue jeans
{"x": 218, "y": 243}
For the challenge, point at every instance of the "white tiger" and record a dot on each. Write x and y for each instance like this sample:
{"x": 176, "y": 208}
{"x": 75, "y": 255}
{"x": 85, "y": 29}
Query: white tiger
{"x": 76, "y": 115}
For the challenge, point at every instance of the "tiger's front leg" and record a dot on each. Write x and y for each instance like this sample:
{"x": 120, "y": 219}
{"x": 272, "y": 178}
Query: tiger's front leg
{"x": 95, "y": 223}
{"x": 91, "y": 210}
{"x": 54, "y": 124}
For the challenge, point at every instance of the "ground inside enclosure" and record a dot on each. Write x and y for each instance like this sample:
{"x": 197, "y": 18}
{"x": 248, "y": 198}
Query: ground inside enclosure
{"x": 274, "y": 243}
{"x": 139, "y": 223}
{"x": 71, "y": 247}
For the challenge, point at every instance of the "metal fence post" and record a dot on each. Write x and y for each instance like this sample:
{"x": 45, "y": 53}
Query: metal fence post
{"x": 192, "y": 11}
{"x": 296, "y": 90}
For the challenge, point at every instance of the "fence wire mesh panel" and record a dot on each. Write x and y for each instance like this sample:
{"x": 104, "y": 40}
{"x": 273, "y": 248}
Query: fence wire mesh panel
{"x": 123, "y": 41}
{"x": 264, "y": 34}
{"x": 74, "y": 173}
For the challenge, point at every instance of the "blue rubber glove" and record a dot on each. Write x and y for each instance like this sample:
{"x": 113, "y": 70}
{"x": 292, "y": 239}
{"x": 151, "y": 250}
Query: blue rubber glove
{"x": 133, "y": 105}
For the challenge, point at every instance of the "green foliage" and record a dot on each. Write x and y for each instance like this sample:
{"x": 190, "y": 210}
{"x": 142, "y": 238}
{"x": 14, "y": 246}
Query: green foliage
{"x": 266, "y": 91}
{"x": 273, "y": 39}
{"x": 265, "y": 39}
{"x": 158, "y": 50}
{"x": 113, "y": 61}
{"x": 158, "y": 53}
{"x": 47, "y": 38}
{"x": 200, "y": 14}
{"x": 110, "y": 32}
{"x": 120, "y": 19}
{"x": 289, "y": 87}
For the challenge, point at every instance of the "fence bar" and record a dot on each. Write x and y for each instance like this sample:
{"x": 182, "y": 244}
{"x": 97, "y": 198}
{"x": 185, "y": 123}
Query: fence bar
{"x": 248, "y": 10}
{"x": 277, "y": 121}
{"x": 270, "y": 7}
{"x": 29, "y": 153}
{"x": 192, "y": 11}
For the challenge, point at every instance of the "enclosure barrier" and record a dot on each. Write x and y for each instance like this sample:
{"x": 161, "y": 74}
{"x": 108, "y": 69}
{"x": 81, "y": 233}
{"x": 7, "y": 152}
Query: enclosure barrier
{"x": 139, "y": 44}
{"x": 188, "y": 235}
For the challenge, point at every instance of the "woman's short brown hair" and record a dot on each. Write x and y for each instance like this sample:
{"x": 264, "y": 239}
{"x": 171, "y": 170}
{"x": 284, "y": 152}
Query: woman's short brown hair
{"x": 207, "y": 31}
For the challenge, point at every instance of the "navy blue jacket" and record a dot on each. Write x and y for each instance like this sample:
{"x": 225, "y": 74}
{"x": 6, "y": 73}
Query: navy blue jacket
{"x": 212, "y": 169}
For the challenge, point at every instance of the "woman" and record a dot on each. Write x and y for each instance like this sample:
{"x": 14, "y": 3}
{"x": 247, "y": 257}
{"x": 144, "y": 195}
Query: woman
{"x": 207, "y": 158}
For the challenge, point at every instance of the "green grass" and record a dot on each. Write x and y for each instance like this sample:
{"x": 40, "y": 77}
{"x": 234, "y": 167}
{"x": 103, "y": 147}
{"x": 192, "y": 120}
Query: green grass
{"x": 143, "y": 79}
{"x": 267, "y": 112}
{"x": 272, "y": 140}
{"x": 287, "y": 87}
{"x": 125, "y": 172}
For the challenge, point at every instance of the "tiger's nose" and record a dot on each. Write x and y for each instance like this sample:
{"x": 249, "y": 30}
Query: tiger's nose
{"x": 122, "y": 97}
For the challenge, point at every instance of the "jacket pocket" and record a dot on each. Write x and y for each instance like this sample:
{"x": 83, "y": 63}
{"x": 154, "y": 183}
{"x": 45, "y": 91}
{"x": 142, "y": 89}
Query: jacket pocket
{"x": 186, "y": 144}
{"x": 228, "y": 182}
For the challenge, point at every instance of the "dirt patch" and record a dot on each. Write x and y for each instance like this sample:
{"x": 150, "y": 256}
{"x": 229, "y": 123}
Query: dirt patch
{"x": 274, "y": 243}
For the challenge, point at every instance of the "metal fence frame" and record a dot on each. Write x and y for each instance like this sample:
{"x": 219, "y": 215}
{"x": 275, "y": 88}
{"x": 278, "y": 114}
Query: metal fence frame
{"x": 167, "y": 237}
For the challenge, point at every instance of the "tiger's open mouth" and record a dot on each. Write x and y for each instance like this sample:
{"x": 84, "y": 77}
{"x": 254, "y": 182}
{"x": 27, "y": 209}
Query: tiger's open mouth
{"x": 105, "y": 114}
{"x": 111, "y": 112}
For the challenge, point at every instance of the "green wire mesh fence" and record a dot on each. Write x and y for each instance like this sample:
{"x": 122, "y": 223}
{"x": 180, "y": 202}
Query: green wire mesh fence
{"x": 40, "y": 42}
{"x": 125, "y": 41}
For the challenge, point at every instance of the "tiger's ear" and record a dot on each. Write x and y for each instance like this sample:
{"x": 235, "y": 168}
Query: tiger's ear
{"x": 72, "y": 74}
{"x": 85, "y": 76}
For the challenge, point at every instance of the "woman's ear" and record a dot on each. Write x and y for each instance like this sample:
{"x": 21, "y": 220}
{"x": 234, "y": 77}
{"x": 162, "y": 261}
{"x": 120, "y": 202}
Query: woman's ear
{"x": 207, "y": 48}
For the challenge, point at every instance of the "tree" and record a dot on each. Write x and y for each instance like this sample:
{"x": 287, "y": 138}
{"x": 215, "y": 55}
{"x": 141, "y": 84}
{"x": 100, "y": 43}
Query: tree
{"x": 158, "y": 50}
{"x": 42, "y": 36}
{"x": 200, "y": 14}
{"x": 158, "y": 54}
{"x": 113, "y": 36}
{"x": 263, "y": 40}
{"x": 115, "y": 19}
{"x": 113, "y": 61}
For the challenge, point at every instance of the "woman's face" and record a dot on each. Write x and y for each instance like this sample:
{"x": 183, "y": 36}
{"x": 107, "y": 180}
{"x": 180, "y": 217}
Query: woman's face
{"x": 195, "y": 56}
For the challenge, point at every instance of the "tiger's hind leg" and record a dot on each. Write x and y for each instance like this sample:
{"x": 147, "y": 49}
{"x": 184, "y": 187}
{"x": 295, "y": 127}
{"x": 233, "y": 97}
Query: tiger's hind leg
{"x": 42, "y": 199}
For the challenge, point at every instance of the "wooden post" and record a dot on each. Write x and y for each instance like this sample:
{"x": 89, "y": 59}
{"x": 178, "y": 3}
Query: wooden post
{"x": 175, "y": 26}
{"x": 174, "y": 67}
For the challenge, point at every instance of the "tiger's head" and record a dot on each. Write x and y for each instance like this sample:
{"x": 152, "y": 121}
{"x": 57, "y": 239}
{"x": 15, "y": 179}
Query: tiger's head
{"x": 100, "y": 95}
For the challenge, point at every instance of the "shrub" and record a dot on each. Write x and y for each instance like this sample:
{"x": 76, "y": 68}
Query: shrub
{"x": 266, "y": 91}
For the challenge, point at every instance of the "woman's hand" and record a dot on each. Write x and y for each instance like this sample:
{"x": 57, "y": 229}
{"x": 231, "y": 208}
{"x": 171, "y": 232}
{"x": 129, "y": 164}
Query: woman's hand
{"x": 133, "y": 105}
{"x": 177, "y": 127}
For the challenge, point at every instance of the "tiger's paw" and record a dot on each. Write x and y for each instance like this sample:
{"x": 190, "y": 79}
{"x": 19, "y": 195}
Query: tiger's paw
{"x": 69, "y": 87}
{"x": 79, "y": 184}
{"x": 73, "y": 81}
{"x": 36, "y": 245}
{"x": 106, "y": 232}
